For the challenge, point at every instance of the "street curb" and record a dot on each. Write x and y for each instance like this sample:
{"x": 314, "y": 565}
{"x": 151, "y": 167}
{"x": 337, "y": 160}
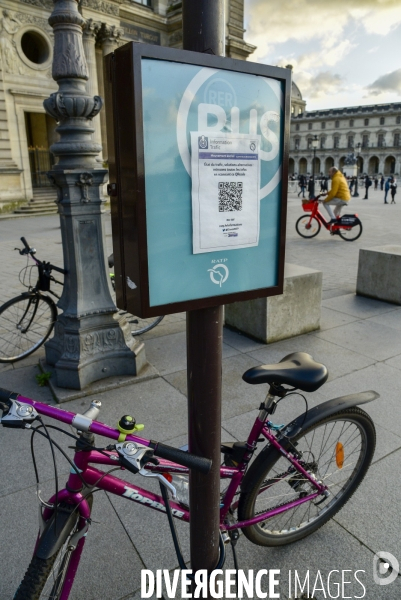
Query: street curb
{"x": 103, "y": 385}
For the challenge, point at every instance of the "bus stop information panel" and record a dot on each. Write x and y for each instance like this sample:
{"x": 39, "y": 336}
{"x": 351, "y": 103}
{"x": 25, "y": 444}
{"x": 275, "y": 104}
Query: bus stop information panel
{"x": 199, "y": 159}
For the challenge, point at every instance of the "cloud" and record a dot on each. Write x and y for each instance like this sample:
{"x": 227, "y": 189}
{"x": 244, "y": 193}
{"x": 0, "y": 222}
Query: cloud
{"x": 390, "y": 82}
{"x": 269, "y": 24}
{"x": 323, "y": 84}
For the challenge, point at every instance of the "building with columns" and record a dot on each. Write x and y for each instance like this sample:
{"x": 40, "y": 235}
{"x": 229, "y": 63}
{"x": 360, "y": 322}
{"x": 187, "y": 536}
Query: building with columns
{"x": 372, "y": 132}
{"x": 26, "y": 54}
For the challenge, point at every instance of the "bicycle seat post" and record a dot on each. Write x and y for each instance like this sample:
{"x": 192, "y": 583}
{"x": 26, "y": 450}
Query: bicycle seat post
{"x": 268, "y": 406}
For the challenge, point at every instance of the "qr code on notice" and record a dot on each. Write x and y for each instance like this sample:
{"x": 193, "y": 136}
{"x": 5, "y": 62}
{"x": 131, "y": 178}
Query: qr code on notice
{"x": 230, "y": 196}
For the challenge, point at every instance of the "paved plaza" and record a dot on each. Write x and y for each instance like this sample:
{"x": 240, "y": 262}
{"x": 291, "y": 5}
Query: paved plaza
{"x": 360, "y": 343}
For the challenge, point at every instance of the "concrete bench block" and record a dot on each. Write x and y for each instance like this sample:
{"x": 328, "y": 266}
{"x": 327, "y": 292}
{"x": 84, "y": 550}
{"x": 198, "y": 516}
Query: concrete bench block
{"x": 275, "y": 318}
{"x": 379, "y": 273}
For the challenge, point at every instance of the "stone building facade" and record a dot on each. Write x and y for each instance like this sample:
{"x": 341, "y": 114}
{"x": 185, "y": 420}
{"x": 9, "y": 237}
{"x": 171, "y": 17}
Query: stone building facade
{"x": 372, "y": 132}
{"x": 26, "y": 53}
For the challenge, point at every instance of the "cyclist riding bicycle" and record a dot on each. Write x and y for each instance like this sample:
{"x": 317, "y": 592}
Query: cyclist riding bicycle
{"x": 338, "y": 196}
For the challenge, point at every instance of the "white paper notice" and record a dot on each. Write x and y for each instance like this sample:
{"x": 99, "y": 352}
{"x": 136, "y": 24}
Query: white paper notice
{"x": 225, "y": 190}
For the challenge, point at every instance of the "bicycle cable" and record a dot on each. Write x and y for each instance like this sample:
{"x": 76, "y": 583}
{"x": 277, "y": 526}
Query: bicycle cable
{"x": 181, "y": 562}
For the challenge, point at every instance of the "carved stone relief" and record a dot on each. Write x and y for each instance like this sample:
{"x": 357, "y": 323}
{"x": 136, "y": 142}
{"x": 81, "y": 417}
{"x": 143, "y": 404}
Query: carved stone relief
{"x": 9, "y": 25}
{"x": 102, "y": 6}
{"x": 41, "y": 3}
{"x": 27, "y": 19}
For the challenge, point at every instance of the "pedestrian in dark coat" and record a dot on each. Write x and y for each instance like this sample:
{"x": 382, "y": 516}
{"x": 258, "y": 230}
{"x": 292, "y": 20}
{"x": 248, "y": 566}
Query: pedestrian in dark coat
{"x": 386, "y": 189}
{"x": 393, "y": 190}
{"x": 368, "y": 183}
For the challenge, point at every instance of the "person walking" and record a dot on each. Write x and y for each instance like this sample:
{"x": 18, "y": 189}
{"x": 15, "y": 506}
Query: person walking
{"x": 368, "y": 183}
{"x": 338, "y": 196}
{"x": 302, "y": 185}
{"x": 382, "y": 182}
{"x": 311, "y": 186}
{"x": 393, "y": 190}
{"x": 386, "y": 189}
{"x": 376, "y": 183}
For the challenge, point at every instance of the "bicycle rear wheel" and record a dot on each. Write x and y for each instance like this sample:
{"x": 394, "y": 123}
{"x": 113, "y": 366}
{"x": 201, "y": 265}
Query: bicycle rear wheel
{"x": 350, "y": 234}
{"x": 336, "y": 451}
{"x": 25, "y": 324}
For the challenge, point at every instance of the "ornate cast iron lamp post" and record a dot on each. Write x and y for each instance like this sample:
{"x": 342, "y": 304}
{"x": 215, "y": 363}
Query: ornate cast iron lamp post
{"x": 89, "y": 342}
{"x": 315, "y": 143}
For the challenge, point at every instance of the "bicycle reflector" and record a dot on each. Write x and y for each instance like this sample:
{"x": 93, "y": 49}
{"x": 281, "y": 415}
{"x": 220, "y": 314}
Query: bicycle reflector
{"x": 339, "y": 455}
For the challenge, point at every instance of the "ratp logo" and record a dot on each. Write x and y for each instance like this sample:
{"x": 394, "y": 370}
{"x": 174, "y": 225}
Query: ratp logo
{"x": 219, "y": 274}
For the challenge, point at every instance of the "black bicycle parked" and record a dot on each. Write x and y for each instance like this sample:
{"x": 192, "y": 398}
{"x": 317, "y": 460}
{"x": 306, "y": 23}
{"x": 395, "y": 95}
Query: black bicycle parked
{"x": 27, "y": 320}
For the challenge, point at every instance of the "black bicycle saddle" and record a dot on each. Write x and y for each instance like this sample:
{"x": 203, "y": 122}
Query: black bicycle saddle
{"x": 298, "y": 370}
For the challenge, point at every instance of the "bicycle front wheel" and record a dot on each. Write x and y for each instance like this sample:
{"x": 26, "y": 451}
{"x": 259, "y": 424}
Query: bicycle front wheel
{"x": 307, "y": 226}
{"x": 25, "y": 324}
{"x": 337, "y": 451}
{"x": 45, "y": 578}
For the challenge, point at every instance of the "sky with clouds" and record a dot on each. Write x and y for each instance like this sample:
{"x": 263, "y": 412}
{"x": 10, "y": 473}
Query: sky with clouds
{"x": 343, "y": 52}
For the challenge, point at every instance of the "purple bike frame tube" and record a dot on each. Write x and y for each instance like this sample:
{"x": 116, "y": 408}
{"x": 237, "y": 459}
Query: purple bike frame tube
{"x": 293, "y": 461}
{"x": 70, "y": 498}
{"x": 272, "y": 513}
{"x": 72, "y": 569}
{"x": 239, "y": 471}
{"x": 66, "y": 416}
{"x": 118, "y": 487}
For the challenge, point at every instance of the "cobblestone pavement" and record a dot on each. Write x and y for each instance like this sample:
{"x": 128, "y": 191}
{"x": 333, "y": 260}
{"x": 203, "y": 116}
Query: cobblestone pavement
{"x": 359, "y": 341}
{"x": 337, "y": 258}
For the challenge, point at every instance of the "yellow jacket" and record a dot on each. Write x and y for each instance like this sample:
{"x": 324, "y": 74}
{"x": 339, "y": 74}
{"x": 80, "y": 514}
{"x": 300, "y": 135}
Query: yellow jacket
{"x": 339, "y": 188}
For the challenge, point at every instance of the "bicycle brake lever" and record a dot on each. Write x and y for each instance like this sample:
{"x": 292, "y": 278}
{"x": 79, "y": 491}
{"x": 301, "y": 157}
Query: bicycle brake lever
{"x": 162, "y": 480}
{"x": 134, "y": 458}
{"x": 19, "y": 415}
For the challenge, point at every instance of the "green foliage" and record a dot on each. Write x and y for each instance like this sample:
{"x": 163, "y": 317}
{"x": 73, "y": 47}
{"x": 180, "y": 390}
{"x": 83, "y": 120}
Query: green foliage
{"x": 43, "y": 378}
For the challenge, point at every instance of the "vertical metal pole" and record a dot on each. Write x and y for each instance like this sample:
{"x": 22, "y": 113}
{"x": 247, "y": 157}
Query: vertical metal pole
{"x": 203, "y": 31}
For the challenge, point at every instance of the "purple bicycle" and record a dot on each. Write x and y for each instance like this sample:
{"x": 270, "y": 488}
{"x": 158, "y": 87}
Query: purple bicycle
{"x": 305, "y": 474}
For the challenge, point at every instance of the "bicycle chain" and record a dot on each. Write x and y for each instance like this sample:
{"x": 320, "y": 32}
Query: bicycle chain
{"x": 277, "y": 505}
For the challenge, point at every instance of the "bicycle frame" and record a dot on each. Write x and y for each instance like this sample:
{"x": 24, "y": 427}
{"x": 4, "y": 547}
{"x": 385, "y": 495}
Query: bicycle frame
{"x": 320, "y": 217}
{"x": 119, "y": 487}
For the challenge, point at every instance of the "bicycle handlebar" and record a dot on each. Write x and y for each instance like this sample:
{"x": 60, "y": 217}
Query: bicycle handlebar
{"x": 49, "y": 267}
{"x": 182, "y": 458}
{"x": 23, "y": 240}
{"x": 162, "y": 450}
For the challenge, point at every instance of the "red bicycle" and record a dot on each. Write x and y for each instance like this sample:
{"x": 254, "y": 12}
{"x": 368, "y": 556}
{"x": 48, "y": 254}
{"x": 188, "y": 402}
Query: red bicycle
{"x": 348, "y": 227}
